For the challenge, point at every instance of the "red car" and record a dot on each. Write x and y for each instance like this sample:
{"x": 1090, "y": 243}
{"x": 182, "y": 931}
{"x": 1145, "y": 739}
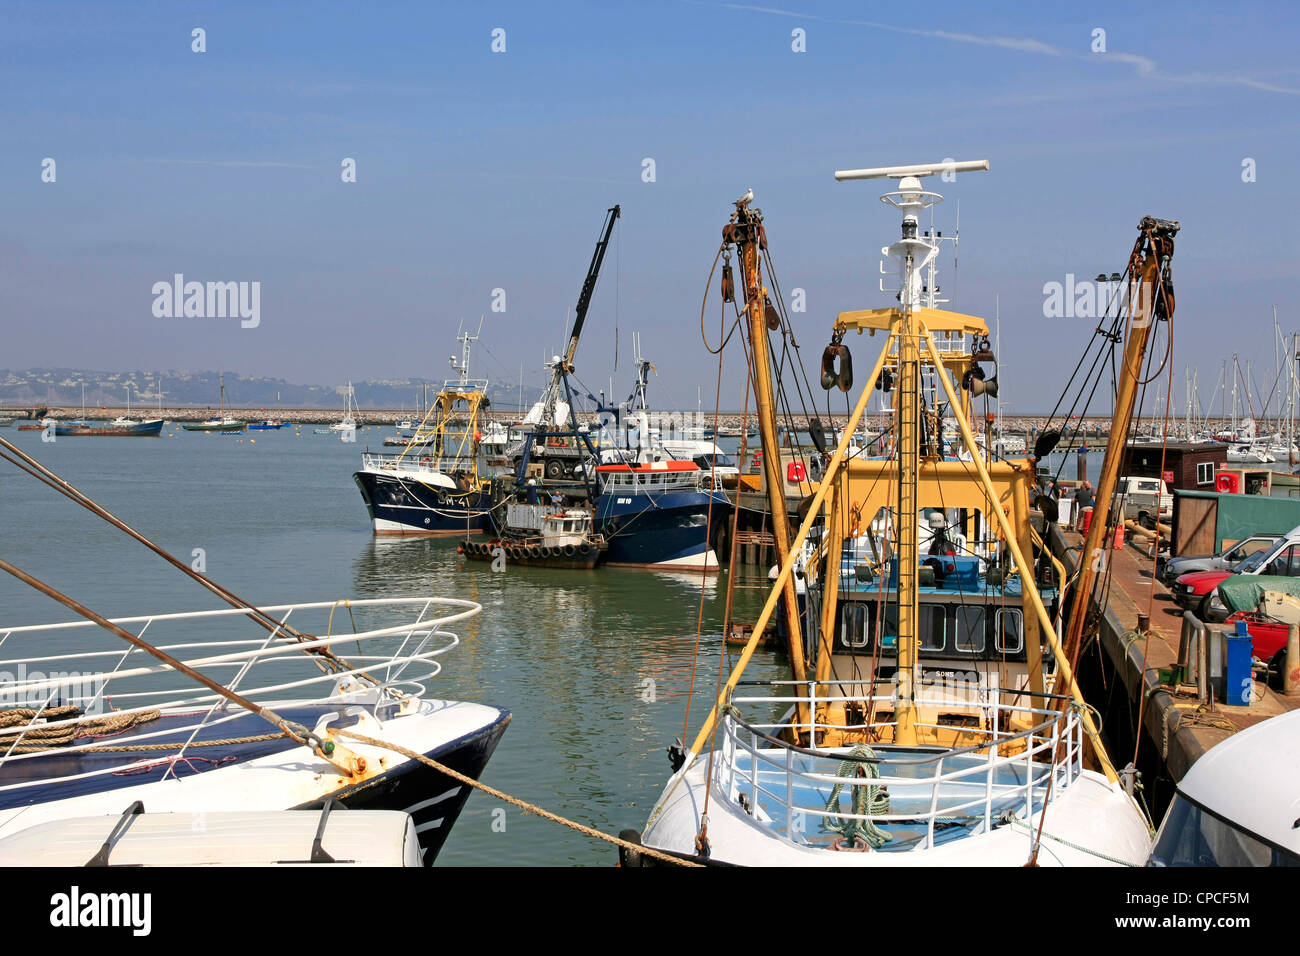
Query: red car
{"x": 1193, "y": 591}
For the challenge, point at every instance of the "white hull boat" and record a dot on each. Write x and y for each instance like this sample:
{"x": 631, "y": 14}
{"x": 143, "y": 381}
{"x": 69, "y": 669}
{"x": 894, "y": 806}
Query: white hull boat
{"x": 188, "y": 749}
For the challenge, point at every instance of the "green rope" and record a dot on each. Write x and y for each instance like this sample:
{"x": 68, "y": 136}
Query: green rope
{"x": 868, "y": 799}
{"x": 1015, "y": 821}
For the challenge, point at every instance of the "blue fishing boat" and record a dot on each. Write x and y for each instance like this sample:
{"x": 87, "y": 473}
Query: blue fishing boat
{"x": 118, "y": 428}
{"x": 434, "y": 486}
{"x": 656, "y": 514}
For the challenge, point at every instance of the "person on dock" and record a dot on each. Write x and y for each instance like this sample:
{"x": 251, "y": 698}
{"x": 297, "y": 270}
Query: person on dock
{"x": 1083, "y": 498}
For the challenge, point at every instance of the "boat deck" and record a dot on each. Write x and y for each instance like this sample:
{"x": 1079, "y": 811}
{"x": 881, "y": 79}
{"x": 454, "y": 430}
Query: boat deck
{"x": 54, "y": 775}
{"x": 959, "y": 806}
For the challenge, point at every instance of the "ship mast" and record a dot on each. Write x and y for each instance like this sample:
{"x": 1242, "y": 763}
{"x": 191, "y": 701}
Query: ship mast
{"x": 913, "y": 256}
{"x": 466, "y": 341}
{"x": 1150, "y": 298}
{"x": 746, "y": 231}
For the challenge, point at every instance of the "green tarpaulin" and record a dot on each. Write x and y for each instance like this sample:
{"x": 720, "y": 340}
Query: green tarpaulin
{"x": 1243, "y": 592}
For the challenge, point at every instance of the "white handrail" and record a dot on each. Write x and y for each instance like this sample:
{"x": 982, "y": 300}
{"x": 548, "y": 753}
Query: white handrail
{"x": 774, "y": 777}
{"x": 272, "y": 660}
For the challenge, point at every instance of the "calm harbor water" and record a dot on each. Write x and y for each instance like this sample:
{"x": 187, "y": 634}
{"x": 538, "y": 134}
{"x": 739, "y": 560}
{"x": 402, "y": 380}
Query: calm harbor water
{"x": 276, "y": 517}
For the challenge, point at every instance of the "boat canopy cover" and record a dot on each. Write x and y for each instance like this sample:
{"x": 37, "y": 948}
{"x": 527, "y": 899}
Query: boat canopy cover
{"x": 1245, "y": 592}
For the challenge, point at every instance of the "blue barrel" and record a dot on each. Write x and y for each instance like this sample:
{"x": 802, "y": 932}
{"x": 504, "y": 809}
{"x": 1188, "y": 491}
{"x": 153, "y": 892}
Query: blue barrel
{"x": 1238, "y": 679}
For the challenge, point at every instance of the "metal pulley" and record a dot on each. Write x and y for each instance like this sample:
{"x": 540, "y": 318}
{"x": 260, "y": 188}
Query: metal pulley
{"x": 974, "y": 379}
{"x": 728, "y": 283}
{"x": 831, "y": 378}
{"x": 769, "y": 312}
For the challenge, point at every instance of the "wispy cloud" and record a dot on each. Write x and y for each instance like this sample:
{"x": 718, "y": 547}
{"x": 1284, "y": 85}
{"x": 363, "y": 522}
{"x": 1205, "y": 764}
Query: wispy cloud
{"x": 1145, "y": 66}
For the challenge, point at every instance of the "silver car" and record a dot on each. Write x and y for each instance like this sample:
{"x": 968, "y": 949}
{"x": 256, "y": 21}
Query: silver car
{"x": 1225, "y": 560}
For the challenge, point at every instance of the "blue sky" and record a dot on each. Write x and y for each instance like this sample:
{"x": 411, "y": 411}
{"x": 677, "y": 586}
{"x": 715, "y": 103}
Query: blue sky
{"x": 479, "y": 170}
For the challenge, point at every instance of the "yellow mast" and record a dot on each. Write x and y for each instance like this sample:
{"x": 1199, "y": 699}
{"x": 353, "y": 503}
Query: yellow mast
{"x": 1147, "y": 297}
{"x": 912, "y": 254}
{"x": 1002, "y": 487}
{"x": 746, "y": 230}
{"x": 908, "y": 436}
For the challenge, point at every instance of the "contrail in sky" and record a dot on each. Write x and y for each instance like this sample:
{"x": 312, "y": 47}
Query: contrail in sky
{"x": 1145, "y": 66}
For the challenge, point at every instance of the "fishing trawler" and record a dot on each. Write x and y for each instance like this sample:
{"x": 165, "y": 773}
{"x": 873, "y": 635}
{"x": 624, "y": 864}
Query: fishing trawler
{"x": 246, "y": 708}
{"x": 653, "y": 512}
{"x": 872, "y": 760}
{"x": 434, "y": 485}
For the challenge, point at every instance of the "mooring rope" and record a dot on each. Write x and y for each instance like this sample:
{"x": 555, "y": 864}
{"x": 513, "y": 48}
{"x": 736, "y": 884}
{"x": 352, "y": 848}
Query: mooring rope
{"x": 867, "y": 799}
{"x": 521, "y": 804}
{"x": 1016, "y": 821}
{"x": 44, "y": 737}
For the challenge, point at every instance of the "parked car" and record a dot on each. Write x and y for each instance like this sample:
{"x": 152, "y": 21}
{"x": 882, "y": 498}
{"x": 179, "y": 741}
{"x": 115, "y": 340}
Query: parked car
{"x": 1144, "y": 500}
{"x": 1197, "y": 591}
{"x": 1225, "y": 560}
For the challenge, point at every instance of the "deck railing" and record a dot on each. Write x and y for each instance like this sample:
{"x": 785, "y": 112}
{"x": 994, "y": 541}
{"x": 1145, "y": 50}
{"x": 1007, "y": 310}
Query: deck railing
{"x": 649, "y": 482}
{"x": 415, "y": 461}
{"x": 74, "y": 663}
{"x": 786, "y": 787}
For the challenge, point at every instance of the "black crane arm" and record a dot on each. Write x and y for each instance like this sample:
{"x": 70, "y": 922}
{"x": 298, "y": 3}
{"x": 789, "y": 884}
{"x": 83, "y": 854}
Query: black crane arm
{"x": 589, "y": 284}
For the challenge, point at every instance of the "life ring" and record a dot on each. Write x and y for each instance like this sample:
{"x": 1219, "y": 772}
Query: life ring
{"x": 569, "y": 551}
{"x": 426, "y": 461}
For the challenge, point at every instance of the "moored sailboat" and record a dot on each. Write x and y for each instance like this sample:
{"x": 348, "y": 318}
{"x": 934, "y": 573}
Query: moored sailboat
{"x": 221, "y": 422}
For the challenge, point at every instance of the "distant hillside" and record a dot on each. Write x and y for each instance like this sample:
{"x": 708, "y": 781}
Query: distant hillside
{"x": 62, "y": 386}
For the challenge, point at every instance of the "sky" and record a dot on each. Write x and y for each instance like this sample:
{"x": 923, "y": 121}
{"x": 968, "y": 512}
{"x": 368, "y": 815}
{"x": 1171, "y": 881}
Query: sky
{"x": 479, "y": 170}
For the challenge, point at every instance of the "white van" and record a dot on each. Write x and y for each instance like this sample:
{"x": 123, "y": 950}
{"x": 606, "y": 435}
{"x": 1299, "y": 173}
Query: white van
{"x": 1144, "y": 500}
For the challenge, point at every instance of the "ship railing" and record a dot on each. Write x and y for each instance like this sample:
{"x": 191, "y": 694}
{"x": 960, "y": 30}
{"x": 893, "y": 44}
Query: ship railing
{"x": 383, "y": 665}
{"x": 650, "y": 482}
{"x": 932, "y": 788}
{"x": 411, "y": 461}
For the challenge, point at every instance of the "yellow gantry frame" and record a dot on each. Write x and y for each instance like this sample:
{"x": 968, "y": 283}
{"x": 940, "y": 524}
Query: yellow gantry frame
{"x": 1006, "y": 483}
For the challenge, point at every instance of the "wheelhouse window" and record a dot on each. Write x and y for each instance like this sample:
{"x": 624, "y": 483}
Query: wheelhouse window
{"x": 1010, "y": 635}
{"x": 969, "y": 636}
{"x": 931, "y": 626}
{"x": 854, "y": 631}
